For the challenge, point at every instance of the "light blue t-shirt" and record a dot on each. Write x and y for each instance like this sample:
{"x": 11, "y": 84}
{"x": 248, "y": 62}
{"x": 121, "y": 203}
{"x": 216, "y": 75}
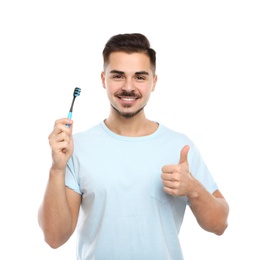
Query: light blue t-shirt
{"x": 125, "y": 213}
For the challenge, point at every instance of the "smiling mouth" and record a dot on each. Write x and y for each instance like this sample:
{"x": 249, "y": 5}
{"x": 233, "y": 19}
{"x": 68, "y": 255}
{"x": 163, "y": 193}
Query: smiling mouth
{"x": 128, "y": 98}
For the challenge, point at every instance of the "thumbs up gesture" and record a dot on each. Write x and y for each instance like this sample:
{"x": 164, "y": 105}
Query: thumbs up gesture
{"x": 176, "y": 178}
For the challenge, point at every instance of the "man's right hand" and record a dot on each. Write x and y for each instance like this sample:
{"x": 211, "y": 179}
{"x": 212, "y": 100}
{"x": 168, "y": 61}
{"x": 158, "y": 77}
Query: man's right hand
{"x": 61, "y": 143}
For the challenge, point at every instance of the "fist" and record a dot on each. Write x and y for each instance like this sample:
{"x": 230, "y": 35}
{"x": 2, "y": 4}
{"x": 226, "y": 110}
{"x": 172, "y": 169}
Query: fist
{"x": 176, "y": 178}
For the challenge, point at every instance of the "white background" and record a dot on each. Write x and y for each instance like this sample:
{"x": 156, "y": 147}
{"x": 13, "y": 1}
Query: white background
{"x": 210, "y": 64}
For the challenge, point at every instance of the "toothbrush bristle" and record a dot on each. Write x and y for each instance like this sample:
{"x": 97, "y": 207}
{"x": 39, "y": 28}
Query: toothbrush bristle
{"x": 77, "y": 92}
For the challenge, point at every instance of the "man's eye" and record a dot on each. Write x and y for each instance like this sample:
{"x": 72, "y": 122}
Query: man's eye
{"x": 117, "y": 76}
{"x": 140, "y": 78}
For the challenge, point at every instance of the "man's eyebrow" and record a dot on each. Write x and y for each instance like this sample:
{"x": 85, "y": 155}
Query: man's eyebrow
{"x": 142, "y": 73}
{"x": 117, "y": 72}
{"x": 136, "y": 73}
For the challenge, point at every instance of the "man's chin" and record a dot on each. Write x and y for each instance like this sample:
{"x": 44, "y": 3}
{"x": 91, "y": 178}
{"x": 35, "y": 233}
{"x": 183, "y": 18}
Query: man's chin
{"x": 127, "y": 114}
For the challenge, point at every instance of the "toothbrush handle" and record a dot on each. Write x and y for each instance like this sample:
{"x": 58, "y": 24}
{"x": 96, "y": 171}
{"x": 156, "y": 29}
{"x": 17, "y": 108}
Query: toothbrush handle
{"x": 69, "y": 116}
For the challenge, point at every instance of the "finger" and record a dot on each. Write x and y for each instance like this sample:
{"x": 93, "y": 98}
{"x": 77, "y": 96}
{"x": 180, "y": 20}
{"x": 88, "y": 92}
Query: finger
{"x": 166, "y": 176}
{"x": 184, "y": 154}
{"x": 63, "y": 121}
{"x": 170, "y": 184}
{"x": 168, "y": 168}
{"x": 61, "y": 126}
{"x": 61, "y": 137}
{"x": 171, "y": 191}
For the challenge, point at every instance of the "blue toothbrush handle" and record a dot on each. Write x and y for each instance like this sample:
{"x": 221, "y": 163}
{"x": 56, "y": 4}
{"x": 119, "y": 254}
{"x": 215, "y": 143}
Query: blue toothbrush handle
{"x": 69, "y": 116}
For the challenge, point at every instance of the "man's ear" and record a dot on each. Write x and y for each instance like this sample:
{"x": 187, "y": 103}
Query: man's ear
{"x": 154, "y": 82}
{"x": 103, "y": 79}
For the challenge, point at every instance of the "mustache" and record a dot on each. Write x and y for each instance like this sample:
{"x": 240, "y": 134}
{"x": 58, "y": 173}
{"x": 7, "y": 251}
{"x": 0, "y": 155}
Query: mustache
{"x": 125, "y": 93}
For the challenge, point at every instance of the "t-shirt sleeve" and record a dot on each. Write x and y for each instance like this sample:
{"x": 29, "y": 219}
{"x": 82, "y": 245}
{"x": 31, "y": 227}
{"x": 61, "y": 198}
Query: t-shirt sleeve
{"x": 200, "y": 171}
{"x": 71, "y": 178}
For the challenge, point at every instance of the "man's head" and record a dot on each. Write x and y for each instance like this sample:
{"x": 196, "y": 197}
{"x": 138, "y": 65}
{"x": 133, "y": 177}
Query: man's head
{"x": 129, "y": 73}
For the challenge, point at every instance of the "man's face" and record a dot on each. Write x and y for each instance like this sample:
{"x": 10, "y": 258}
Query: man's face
{"x": 129, "y": 81}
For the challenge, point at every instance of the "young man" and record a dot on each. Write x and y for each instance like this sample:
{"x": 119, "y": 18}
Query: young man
{"x": 126, "y": 181}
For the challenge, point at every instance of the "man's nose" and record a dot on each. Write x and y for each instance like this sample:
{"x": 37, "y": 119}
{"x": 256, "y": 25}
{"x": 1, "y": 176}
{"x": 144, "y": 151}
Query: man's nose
{"x": 128, "y": 85}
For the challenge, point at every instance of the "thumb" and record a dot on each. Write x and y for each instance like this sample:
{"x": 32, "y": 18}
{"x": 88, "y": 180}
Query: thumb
{"x": 184, "y": 154}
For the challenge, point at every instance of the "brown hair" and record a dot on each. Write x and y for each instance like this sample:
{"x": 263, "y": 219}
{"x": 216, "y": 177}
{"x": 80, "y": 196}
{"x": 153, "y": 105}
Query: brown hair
{"x": 129, "y": 43}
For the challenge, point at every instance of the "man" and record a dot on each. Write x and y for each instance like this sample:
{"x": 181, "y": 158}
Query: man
{"x": 125, "y": 182}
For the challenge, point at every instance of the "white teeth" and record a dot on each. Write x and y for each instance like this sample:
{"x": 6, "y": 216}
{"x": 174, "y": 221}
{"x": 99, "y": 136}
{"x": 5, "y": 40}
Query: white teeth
{"x": 128, "y": 99}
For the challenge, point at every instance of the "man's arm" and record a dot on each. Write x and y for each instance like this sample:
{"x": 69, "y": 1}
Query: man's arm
{"x": 210, "y": 210}
{"x": 59, "y": 210}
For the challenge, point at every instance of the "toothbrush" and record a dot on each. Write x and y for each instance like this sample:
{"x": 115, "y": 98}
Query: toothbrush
{"x": 76, "y": 93}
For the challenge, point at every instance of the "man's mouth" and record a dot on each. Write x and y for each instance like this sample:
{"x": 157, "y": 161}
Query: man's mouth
{"x": 128, "y": 98}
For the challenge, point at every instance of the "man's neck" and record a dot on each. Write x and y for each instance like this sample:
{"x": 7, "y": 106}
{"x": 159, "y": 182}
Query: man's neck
{"x": 135, "y": 126}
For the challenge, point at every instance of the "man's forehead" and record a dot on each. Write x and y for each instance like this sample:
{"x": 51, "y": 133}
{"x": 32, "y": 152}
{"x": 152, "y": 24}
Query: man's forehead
{"x": 115, "y": 56}
{"x": 133, "y": 62}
